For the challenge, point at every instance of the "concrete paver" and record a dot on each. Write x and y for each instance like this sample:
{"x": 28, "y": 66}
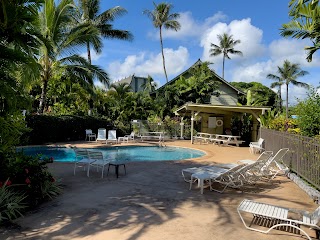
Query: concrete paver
{"x": 153, "y": 202}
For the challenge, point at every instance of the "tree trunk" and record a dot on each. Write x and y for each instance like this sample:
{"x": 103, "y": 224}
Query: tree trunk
{"x": 280, "y": 99}
{"x": 43, "y": 97}
{"x": 88, "y": 50}
{"x": 163, "y": 61}
{"x": 287, "y": 98}
{"x": 223, "y": 66}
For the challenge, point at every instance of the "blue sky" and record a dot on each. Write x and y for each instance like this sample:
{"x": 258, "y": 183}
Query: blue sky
{"x": 256, "y": 25}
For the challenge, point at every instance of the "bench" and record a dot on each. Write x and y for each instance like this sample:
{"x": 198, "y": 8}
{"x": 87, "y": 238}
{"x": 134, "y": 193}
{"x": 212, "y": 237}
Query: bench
{"x": 153, "y": 136}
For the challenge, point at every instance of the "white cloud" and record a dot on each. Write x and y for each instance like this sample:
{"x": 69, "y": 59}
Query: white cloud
{"x": 252, "y": 73}
{"x": 250, "y": 36}
{"x": 292, "y": 50}
{"x": 144, "y": 64}
{"x": 189, "y": 26}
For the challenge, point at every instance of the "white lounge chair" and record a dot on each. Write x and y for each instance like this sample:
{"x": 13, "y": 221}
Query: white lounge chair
{"x": 102, "y": 133}
{"x": 270, "y": 168}
{"x": 210, "y": 175}
{"x": 187, "y": 172}
{"x": 90, "y": 135}
{"x": 98, "y": 161}
{"x": 126, "y": 138}
{"x": 278, "y": 217}
{"x": 256, "y": 147}
{"x": 82, "y": 160}
{"x": 112, "y": 136}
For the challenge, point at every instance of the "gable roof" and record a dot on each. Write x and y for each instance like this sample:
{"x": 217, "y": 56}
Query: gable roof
{"x": 198, "y": 62}
{"x": 127, "y": 80}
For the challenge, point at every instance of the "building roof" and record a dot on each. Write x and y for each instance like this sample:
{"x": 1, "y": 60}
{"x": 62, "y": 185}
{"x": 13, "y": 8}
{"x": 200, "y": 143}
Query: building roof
{"x": 198, "y": 62}
{"x": 127, "y": 80}
{"x": 187, "y": 108}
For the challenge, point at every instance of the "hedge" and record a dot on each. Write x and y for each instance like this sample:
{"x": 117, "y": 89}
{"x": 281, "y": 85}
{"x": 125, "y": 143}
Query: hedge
{"x": 52, "y": 129}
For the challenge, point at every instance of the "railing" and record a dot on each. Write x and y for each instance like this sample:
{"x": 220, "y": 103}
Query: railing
{"x": 303, "y": 157}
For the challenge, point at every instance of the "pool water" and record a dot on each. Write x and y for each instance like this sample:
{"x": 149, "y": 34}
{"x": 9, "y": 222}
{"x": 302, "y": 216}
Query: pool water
{"x": 130, "y": 154}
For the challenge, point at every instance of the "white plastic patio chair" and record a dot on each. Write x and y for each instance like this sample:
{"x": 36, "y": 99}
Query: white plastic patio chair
{"x": 275, "y": 217}
{"x": 187, "y": 172}
{"x": 98, "y": 161}
{"x": 82, "y": 160}
{"x": 90, "y": 134}
{"x": 256, "y": 147}
{"x": 102, "y": 133}
{"x": 112, "y": 136}
{"x": 126, "y": 138}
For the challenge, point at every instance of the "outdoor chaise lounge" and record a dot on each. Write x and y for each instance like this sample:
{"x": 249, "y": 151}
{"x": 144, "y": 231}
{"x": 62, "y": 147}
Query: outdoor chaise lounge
{"x": 275, "y": 217}
{"x": 112, "y": 136}
{"x": 210, "y": 175}
{"x": 102, "y": 133}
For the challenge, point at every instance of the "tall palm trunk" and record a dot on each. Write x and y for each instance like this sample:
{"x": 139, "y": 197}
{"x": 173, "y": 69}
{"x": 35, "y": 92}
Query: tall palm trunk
{"x": 43, "y": 97}
{"x": 163, "y": 60}
{"x": 45, "y": 79}
{"x": 223, "y": 59}
{"x": 88, "y": 51}
{"x": 280, "y": 99}
{"x": 287, "y": 99}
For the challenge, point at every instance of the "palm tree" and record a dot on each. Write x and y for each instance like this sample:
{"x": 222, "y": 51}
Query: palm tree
{"x": 88, "y": 13}
{"x": 18, "y": 37}
{"x": 119, "y": 91}
{"x": 162, "y": 18}
{"x": 279, "y": 81}
{"x": 304, "y": 24}
{"x": 225, "y": 47}
{"x": 289, "y": 73}
{"x": 59, "y": 40}
{"x": 149, "y": 85}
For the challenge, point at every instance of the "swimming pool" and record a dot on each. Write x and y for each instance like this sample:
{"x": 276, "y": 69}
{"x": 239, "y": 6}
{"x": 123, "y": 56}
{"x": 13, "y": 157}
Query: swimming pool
{"x": 128, "y": 153}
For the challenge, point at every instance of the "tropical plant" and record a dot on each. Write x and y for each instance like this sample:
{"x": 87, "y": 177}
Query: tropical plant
{"x": 149, "y": 85}
{"x": 18, "y": 38}
{"x": 11, "y": 202}
{"x": 162, "y": 17}
{"x": 225, "y": 47}
{"x": 256, "y": 94}
{"x": 288, "y": 73}
{"x": 88, "y": 14}
{"x": 30, "y": 176}
{"x": 199, "y": 86}
{"x": 60, "y": 39}
{"x": 267, "y": 118}
{"x": 305, "y": 23}
{"x": 308, "y": 112}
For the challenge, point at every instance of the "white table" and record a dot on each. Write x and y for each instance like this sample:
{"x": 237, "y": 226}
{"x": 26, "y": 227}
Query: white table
{"x": 227, "y": 139}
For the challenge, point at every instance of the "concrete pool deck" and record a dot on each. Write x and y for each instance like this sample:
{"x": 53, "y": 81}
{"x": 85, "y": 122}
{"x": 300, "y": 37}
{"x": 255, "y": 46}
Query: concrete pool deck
{"x": 153, "y": 202}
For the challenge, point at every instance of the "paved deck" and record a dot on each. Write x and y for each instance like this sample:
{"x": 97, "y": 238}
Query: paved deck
{"x": 153, "y": 202}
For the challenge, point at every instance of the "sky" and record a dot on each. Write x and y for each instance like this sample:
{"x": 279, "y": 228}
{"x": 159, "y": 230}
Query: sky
{"x": 255, "y": 23}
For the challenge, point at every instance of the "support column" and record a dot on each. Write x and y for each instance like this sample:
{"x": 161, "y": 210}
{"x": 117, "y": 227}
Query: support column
{"x": 192, "y": 124}
{"x": 181, "y": 128}
{"x": 254, "y": 132}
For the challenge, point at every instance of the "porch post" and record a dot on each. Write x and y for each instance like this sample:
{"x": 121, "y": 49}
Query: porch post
{"x": 254, "y": 132}
{"x": 181, "y": 128}
{"x": 191, "y": 130}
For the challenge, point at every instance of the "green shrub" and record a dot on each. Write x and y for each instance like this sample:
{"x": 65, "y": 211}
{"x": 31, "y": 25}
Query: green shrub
{"x": 308, "y": 112}
{"x": 47, "y": 128}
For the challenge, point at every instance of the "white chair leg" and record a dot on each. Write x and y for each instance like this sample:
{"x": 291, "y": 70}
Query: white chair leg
{"x": 102, "y": 171}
